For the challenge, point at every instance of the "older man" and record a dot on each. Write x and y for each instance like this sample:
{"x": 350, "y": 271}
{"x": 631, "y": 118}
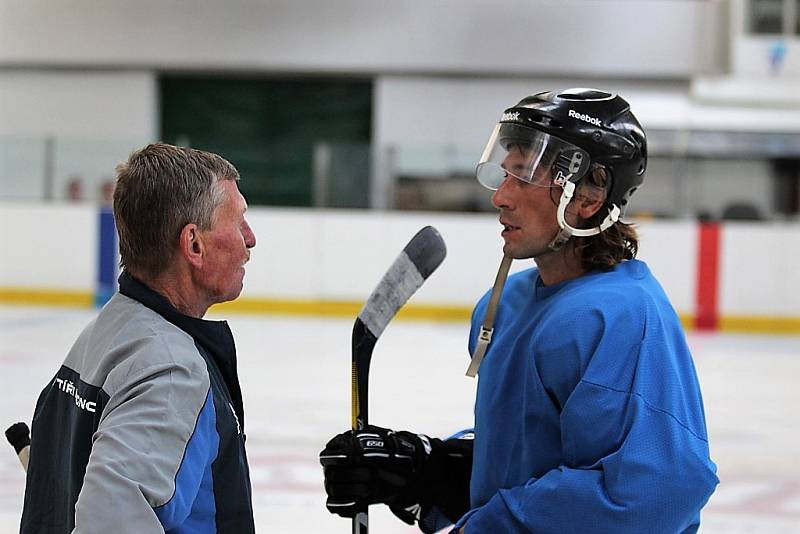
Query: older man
{"x": 142, "y": 427}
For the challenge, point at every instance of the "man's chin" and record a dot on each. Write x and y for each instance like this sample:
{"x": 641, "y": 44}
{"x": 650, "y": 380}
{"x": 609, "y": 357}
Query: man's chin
{"x": 517, "y": 253}
{"x": 512, "y": 250}
{"x": 230, "y": 295}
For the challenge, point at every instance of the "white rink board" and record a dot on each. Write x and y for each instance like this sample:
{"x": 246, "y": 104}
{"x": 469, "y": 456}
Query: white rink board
{"x": 339, "y": 255}
{"x": 48, "y": 246}
{"x": 760, "y": 272}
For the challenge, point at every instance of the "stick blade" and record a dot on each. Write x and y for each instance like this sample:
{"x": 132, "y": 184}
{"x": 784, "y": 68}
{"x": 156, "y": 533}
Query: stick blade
{"x": 418, "y": 260}
{"x": 426, "y": 250}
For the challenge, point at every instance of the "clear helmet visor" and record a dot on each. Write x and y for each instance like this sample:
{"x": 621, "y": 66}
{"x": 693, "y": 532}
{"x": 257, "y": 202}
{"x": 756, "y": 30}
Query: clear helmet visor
{"x": 531, "y": 156}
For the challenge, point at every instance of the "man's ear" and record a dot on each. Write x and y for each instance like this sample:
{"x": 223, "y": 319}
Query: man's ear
{"x": 191, "y": 245}
{"x": 588, "y": 201}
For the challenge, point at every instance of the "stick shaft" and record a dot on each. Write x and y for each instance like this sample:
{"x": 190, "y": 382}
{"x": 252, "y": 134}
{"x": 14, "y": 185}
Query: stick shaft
{"x": 363, "y": 344}
{"x": 23, "y": 456}
{"x": 420, "y": 257}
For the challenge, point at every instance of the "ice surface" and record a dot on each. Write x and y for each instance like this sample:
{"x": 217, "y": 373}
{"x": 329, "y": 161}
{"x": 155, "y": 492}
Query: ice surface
{"x": 295, "y": 375}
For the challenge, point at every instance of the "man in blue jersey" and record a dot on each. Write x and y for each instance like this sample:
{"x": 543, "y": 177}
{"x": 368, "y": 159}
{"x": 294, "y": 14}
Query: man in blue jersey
{"x": 142, "y": 427}
{"x": 588, "y": 414}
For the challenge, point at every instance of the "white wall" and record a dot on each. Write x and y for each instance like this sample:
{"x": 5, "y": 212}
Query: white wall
{"x": 93, "y": 118}
{"x": 86, "y": 73}
{"x": 596, "y": 37}
{"x": 341, "y": 255}
{"x": 750, "y": 53}
{"x": 670, "y": 249}
{"x": 82, "y": 104}
{"x": 48, "y": 246}
{"x": 751, "y": 78}
{"x": 462, "y": 111}
{"x": 420, "y": 118}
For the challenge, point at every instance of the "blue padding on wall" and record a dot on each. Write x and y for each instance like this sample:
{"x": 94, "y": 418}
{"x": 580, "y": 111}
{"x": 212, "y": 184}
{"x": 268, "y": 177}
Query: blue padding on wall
{"x": 106, "y": 257}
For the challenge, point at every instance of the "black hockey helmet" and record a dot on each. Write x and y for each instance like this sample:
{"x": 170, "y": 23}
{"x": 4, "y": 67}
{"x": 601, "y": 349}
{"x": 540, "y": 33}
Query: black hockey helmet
{"x": 598, "y": 124}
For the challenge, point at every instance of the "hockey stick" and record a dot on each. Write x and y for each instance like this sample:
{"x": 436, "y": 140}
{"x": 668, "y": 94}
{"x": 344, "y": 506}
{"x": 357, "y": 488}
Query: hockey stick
{"x": 19, "y": 436}
{"x": 420, "y": 257}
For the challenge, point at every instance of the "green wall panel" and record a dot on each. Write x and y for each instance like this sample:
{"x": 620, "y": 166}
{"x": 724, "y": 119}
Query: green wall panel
{"x": 268, "y": 128}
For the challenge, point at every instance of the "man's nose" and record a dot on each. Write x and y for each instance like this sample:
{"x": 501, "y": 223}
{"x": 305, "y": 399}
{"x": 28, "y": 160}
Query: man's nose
{"x": 249, "y": 236}
{"x": 501, "y": 197}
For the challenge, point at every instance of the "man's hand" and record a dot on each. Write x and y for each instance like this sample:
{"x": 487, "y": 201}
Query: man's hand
{"x": 374, "y": 465}
{"x": 415, "y": 475}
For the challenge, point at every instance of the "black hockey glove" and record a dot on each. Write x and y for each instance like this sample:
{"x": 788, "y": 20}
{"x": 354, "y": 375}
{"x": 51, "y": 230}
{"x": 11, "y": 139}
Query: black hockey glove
{"x": 374, "y": 465}
{"x": 409, "y": 472}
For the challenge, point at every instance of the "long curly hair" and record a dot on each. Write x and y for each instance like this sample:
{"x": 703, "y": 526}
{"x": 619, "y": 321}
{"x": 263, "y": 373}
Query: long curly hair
{"x": 609, "y": 248}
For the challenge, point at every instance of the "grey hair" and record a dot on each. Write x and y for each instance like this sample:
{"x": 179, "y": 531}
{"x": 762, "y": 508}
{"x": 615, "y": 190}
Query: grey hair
{"x": 160, "y": 189}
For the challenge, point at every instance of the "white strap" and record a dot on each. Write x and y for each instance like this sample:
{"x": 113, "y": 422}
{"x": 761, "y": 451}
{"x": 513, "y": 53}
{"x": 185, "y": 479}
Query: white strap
{"x": 484, "y": 339}
{"x": 487, "y": 328}
{"x": 568, "y": 231}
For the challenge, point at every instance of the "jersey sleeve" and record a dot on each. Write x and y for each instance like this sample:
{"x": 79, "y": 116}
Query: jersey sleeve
{"x": 152, "y": 450}
{"x": 634, "y": 453}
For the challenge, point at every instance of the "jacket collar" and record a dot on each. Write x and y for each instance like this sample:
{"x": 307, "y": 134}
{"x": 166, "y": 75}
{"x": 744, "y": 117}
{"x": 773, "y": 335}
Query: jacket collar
{"x": 214, "y": 337}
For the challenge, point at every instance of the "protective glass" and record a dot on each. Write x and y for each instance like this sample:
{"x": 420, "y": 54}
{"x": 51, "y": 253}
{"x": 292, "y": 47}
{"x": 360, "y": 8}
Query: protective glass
{"x": 529, "y": 155}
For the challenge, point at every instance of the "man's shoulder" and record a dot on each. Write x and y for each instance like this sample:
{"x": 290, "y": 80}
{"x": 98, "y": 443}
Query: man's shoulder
{"x": 127, "y": 338}
{"x": 518, "y": 287}
{"x": 630, "y": 279}
{"x": 522, "y": 281}
{"x": 628, "y": 292}
{"x": 602, "y": 295}
{"x": 127, "y": 321}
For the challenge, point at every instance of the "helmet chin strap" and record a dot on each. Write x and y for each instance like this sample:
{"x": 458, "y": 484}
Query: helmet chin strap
{"x": 568, "y": 231}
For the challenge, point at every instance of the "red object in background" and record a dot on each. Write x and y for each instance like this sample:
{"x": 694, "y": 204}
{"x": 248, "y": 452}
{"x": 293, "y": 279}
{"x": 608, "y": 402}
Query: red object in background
{"x": 75, "y": 188}
{"x": 708, "y": 245}
{"x": 107, "y": 192}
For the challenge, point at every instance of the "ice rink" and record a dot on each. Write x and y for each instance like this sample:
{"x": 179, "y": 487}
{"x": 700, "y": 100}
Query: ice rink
{"x": 295, "y": 375}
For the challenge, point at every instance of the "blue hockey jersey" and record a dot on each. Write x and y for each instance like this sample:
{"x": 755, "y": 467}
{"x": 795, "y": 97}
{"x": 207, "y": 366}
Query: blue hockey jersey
{"x": 588, "y": 415}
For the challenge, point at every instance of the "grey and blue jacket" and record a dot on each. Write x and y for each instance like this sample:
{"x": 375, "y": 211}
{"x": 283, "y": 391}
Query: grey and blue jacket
{"x": 142, "y": 427}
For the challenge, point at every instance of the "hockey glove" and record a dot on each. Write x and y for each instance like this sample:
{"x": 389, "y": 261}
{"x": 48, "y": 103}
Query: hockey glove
{"x": 411, "y": 473}
{"x": 374, "y": 465}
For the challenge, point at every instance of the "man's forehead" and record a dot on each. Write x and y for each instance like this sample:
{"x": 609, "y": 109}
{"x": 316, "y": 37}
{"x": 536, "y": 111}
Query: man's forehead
{"x": 233, "y": 197}
{"x": 517, "y": 157}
